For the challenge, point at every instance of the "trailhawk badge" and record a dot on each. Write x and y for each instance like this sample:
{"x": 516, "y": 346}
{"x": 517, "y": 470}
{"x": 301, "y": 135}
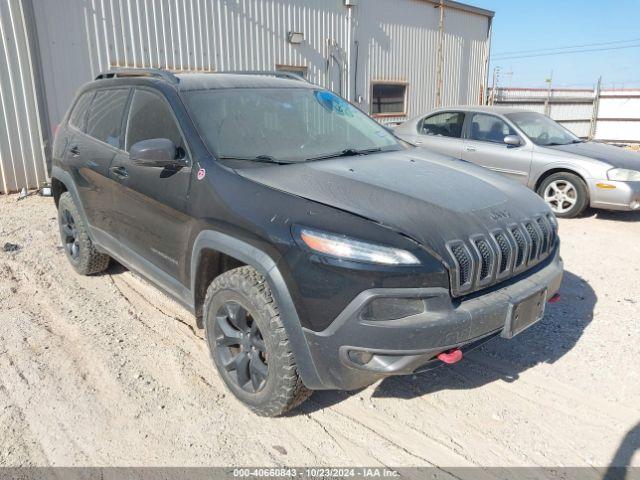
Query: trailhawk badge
{"x": 201, "y": 173}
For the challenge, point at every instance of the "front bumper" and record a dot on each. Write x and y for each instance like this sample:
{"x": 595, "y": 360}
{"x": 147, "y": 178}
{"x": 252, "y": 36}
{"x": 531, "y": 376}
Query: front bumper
{"x": 614, "y": 195}
{"x": 403, "y": 345}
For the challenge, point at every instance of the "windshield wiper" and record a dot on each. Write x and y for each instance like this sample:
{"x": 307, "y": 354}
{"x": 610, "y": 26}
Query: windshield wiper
{"x": 347, "y": 152}
{"x": 259, "y": 158}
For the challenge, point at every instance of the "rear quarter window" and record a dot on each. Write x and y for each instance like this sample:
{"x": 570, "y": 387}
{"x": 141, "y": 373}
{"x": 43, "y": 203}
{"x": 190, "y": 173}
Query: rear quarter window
{"x": 78, "y": 117}
{"x": 104, "y": 121}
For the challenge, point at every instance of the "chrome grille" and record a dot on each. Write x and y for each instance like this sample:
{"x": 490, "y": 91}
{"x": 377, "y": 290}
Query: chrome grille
{"x": 483, "y": 260}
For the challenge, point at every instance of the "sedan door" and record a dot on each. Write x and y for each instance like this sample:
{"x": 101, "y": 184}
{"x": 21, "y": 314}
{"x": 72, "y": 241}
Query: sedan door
{"x": 484, "y": 145}
{"x": 441, "y": 133}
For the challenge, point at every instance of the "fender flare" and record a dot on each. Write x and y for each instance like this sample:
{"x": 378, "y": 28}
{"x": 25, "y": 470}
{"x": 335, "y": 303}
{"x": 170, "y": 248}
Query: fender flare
{"x": 263, "y": 263}
{"x": 65, "y": 177}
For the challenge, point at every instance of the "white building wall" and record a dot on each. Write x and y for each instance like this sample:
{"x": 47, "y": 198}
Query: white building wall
{"x": 22, "y": 161}
{"x": 51, "y": 48}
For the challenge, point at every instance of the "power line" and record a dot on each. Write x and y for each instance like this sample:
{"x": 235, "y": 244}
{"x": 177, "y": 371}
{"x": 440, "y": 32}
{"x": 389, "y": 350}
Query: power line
{"x": 537, "y": 50}
{"x": 564, "y": 53}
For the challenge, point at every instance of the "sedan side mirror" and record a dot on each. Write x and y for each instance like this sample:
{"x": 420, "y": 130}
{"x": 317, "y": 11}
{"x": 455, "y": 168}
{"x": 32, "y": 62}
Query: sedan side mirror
{"x": 512, "y": 140}
{"x": 156, "y": 152}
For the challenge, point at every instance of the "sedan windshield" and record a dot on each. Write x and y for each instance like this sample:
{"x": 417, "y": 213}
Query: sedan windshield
{"x": 541, "y": 130}
{"x": 279, "y": 125}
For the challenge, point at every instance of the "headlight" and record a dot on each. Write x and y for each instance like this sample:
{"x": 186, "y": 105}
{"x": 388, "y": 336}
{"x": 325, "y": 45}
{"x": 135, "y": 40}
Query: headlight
{"x": 624, "y": 175}
{"x": 351, "y": 249}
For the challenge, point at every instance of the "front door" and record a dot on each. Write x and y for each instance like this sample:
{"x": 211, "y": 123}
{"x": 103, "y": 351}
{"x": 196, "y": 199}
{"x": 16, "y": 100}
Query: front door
{"x": 152, "y": 201}
{"x": 484, "y": 145}
{"x": 441, "y": 132}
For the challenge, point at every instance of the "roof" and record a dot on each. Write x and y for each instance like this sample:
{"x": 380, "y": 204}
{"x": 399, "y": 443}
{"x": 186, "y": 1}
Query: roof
{"x": 465, "y": 7}
{"x": 209, "y": 81}
{"x": 485, "y": 108}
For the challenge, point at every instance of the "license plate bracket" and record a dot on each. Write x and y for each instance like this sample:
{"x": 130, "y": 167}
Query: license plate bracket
{"x": 525, "y": 313}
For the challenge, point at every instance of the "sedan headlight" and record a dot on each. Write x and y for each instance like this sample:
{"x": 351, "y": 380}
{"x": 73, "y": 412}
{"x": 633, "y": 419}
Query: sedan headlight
{"x": 624, "y": 175}
{"x": 356, "y": 250}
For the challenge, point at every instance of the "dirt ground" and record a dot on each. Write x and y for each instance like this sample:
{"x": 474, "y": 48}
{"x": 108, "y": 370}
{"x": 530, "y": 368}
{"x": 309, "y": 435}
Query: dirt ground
{"x": 105, "y": 370}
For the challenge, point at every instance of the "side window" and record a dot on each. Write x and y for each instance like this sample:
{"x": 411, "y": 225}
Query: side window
{"x": 78, "y": 115}
{"x": 445, "y": 124}
{"x": 488, "y": 128}
{"x": 105, "y": 116}
{"x": 150, "y": 117}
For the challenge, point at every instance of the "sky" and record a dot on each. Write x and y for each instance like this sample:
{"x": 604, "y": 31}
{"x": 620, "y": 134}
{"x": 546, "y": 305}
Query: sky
{"x": 545, "y": 25}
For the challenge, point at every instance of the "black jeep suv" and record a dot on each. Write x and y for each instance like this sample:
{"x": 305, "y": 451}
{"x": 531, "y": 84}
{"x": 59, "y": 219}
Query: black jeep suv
{"x": 316, "y": 250}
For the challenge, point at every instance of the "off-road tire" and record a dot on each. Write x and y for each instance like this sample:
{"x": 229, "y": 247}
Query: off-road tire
{"x": 88, "y": 260}
{"x": 283, "y": 389}
{"x": 580, "y": 187}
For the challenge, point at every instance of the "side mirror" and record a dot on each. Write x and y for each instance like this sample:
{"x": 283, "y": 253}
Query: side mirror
{"x": 156, "y": 152}
{"x": 512, "y": 140}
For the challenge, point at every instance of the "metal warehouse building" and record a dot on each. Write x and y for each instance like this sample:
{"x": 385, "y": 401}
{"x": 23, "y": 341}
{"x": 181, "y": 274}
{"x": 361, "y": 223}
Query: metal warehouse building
{"x": 393, "y": 58}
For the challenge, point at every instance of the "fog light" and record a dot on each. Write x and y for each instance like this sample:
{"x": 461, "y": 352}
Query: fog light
{"x": 360, "y": 357}
{"x": 635, "y": 205}
{"x": 392, "y": 308}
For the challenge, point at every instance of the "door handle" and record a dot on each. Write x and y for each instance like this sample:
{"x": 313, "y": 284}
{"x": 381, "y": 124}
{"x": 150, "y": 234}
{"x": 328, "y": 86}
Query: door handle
{"x": 75, "y": 151}
{"x": 418, "y": 142}
{"x": 119, "y": 171}
{"x": 470, "y": 149}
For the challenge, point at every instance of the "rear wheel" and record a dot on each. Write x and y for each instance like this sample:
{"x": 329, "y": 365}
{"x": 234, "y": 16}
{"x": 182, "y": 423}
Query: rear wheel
{"x": 565, "y": 193}
{"x": 249, "y": 344}
{"x": 82, "y": 254}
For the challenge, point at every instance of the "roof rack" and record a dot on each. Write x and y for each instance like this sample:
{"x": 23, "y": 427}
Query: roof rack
{"x": 269, "y": 73}
{"x": 139, "y": 72}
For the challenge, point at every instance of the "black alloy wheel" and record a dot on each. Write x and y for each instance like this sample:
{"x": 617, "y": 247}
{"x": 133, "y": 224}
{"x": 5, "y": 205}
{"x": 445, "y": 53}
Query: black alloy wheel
{"x": 240, "y": 347}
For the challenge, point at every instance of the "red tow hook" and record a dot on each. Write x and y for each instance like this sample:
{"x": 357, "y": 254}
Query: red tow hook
{"x": 554, "y": 299}
{"x": 450, "y": 356}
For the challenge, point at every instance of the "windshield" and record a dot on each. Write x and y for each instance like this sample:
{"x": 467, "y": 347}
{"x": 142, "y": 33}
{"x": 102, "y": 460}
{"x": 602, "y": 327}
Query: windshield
{"x": 541, "y": 129}
{"x": 284, "y": 125}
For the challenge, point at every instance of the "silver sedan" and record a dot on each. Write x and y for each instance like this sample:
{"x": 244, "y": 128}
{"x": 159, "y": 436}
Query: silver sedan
{"x": 569, "y": 173}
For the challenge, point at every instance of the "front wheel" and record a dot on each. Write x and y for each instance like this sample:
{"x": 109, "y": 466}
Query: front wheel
{"x": 565, "y": 193}
{"x": 249, "y": 344}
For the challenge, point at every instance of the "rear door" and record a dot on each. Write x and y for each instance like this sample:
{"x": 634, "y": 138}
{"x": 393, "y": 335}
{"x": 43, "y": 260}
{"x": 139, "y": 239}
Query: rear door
{"x": 484, "y": 145}
{"x": 91, "y": 150}
{"x": 441, "y": 132}
{"x": 152, "y": 201}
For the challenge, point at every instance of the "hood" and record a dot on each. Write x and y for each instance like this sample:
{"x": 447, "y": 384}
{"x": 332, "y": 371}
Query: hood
{"x": 614, "y": 156}
{"x": 428, "y": 197}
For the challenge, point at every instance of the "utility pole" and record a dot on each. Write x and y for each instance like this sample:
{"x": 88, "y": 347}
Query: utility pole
{"x": 440, "y": 55}
{"x": 594, "y": 112}
{"x": 547, "y": 103}
{"x": 494, "y": 85}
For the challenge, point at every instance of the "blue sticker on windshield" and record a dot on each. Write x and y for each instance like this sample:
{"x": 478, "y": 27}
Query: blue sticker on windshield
{"x": 333, "y": 103}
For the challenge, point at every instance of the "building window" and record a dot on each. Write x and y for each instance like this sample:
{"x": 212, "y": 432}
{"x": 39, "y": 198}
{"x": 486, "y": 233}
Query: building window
{"x": 298, "y": 70}
{"x": 388, "y": 99}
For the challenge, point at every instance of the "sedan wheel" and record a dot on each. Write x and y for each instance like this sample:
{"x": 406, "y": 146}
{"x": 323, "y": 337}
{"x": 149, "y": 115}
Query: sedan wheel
{"x": 561, "y": 196}
{"x": 565, "y": 193}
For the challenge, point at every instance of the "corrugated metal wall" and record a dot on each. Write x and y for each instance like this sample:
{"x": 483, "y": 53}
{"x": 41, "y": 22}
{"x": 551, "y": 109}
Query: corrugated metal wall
{"x": 182, "y": 35}
{"x": 401, "y": 43}
{"x": 618, "y": 118}
{"x": 22, "y": 159}
{"x": 73, "y": 40}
